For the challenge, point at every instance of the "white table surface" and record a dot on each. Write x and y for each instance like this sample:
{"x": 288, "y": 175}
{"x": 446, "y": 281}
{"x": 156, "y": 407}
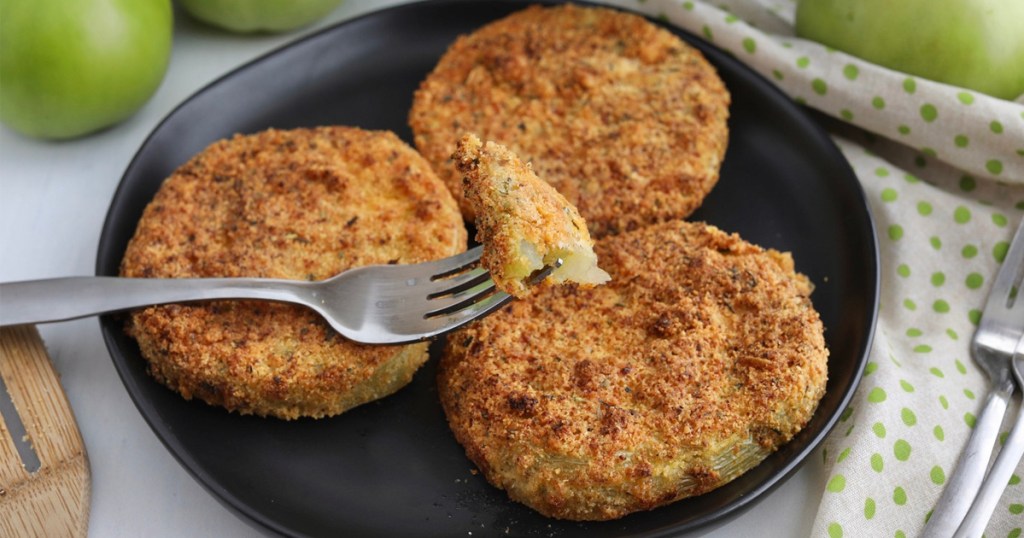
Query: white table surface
{"x": 53, "y": 199}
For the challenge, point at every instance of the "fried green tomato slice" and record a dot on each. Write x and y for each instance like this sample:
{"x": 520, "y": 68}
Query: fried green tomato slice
{"x": 702, "y": 355}
{"x": 302, "y": 204}
{"x": 620, "y": 115}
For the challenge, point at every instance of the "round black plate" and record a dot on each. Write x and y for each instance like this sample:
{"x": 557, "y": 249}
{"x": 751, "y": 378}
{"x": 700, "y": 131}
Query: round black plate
{"x": 392, "y": 468}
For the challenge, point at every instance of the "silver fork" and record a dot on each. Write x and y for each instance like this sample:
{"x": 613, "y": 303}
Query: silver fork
{"x": 379, "y": 304}
{"x": 1000, "y": 328}
{"x": 999, "y": 475}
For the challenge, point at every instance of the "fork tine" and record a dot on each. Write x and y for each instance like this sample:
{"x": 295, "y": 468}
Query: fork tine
{"x": 410, "y": 319}
{"x": 426, "y": 277}
{"x": 1008, "y": 280}
{"x": 434, "y": 326}
{"x": 475, "y": 283}
{"x": 448, "y": 266}
{"x": 451, "y": 303}
{"x": 456, "y": 284}
{"x": 468, "y": 313}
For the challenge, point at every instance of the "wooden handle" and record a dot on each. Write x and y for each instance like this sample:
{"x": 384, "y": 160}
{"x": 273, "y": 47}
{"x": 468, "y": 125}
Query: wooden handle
{"x": 52, "y": 500}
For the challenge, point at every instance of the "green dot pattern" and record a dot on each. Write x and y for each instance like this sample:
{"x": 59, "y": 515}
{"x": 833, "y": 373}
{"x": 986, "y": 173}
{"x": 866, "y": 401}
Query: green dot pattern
{"x": 974, "y": 316}
{"x": 819, "y": 86}
{"x": 999, "y": 251}
{"x": 836, "y": 484}
{"x": 901, "y": 449}
{"x": 899, "y": 496}
{"x": 929, "y": 113}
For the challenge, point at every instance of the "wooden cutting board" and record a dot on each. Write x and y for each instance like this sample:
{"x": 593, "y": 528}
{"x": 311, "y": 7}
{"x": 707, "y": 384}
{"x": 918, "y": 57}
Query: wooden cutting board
{"x": 44, "y": 471}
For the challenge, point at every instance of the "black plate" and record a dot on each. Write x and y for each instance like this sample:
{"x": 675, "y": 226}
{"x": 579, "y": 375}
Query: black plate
{"x": 391, "y": 467}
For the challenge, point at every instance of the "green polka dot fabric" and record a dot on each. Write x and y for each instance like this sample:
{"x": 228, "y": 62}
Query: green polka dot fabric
{"x": 943, "y": 171}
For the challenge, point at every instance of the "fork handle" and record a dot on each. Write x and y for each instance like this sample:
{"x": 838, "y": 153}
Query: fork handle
{"x": 966, "y": 479}
{"x": 59, "y": 299}
{"x": 995, "y": 483}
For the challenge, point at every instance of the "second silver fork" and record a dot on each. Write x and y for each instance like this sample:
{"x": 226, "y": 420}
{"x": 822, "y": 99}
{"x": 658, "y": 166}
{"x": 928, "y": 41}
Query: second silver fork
{"x": 999, "y": 475}
{"x": 1000, "y": 328}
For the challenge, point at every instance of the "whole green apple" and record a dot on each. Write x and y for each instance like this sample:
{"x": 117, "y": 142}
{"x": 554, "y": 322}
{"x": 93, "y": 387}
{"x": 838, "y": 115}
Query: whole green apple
{"x": 977, "y": 44}
{"x": 246, "y": 16}
{"x": 70, "y": 67}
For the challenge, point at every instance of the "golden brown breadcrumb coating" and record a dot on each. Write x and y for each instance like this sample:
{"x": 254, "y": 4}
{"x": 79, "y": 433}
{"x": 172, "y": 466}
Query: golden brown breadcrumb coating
{"x": 522, "y": 222}
{"x": 302, "y": 204}
{"x": 618, "y": 114}
{"x": 700, "y": 357}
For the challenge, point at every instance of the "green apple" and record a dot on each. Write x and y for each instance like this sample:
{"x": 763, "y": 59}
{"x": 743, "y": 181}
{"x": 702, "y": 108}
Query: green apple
{"x": 977, "y": 44}
{"x": 246, "y": 16}
{"x": 70, "y": 67}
